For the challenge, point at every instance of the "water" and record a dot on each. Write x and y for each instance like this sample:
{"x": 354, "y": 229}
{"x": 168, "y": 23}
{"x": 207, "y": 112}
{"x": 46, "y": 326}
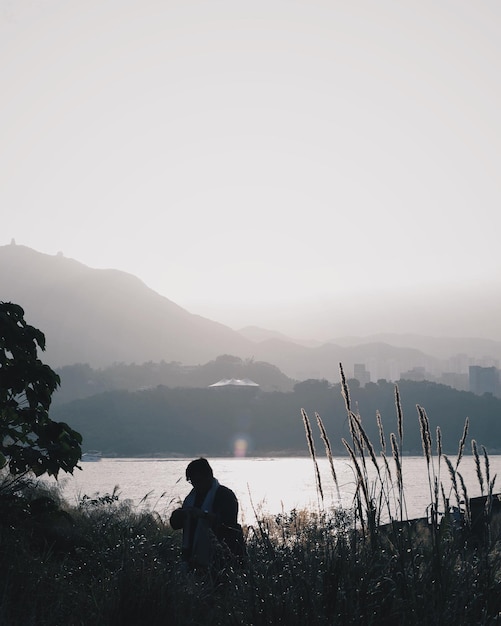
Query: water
{"x": 262, "y": 485}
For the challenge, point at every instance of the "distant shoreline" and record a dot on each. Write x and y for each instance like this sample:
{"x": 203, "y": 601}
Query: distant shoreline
{"x": 265, "y": 455}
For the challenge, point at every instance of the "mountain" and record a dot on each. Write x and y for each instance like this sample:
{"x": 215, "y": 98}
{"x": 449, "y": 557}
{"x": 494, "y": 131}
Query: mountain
{"x": 101, "y": 317}
{"x": 104, "y": 316}
{"x": 439, "y": 347}
{"x": 382, "y": 360}
{"x": 258, "y": 334}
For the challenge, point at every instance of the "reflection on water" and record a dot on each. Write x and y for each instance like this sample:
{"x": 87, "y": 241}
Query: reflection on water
{"x": 261, "y": 484}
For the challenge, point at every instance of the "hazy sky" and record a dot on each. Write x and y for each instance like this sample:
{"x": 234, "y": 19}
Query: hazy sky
{"x": 241, "y": 155}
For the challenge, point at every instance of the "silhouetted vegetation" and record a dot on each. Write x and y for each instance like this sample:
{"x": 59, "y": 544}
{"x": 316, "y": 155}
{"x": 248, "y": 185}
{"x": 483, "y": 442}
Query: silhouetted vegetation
{"x": 104, "y": 562}
{"x": 29, "y": 439}
{"x": 82, "y": 381}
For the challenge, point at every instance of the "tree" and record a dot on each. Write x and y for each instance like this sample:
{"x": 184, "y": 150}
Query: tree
{"x": 29, "y": 439}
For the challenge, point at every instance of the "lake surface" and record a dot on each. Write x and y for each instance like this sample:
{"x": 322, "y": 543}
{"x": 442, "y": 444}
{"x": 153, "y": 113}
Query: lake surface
{"x": 262, "y": 485}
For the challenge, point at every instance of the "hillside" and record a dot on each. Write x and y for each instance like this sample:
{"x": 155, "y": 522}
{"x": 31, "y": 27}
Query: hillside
{"x": 105, "y": 316}
{"x": 100, "y": 317}
{"x": 438, "y": 347}
{"x": 197, "y": 421}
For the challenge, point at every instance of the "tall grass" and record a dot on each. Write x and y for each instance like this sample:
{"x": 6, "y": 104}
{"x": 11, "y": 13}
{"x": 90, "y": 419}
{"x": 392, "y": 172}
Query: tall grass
{"x": 104, "y": 562}
{"x": 448, "y": 539}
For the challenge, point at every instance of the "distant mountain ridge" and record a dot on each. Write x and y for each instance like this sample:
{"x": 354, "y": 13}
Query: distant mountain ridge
{"x": 104, "y": 316}
{"x": 257, "y": 334}
{"x": 439, "y": 347}
{"x": 101, "y": 317}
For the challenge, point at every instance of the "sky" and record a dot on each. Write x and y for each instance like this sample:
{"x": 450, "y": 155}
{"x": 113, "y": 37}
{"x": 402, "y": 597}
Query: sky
{"x": 253, "y": 160}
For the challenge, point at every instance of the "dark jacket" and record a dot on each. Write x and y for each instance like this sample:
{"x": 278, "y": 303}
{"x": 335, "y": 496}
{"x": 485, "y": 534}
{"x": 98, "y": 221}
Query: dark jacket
{"x": 225, "y": 525}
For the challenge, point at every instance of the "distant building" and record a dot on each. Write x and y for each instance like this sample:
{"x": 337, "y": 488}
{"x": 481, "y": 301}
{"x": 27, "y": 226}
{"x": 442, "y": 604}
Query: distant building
{"x": 484, "y": 380}
{"x": 455, "y": 380}
{"x": 235, "y": 382}
{"x": 459, "y": 363}
{"x": 361, "y": 374}
{"x": 488, "y": 361}
{"x": 417, "y": 374}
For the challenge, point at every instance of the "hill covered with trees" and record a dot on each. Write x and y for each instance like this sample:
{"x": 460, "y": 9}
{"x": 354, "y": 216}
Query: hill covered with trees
{"x": 82, "y": 381}
{"x": 192, "y": 421}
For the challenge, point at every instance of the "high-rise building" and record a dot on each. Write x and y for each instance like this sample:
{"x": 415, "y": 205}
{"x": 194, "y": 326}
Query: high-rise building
{"x": 484, "y": 380}
{"x": 361, "y": 374}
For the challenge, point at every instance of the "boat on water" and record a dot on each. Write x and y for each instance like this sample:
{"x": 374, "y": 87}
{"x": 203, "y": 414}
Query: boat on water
{"x": 92, "y": 456}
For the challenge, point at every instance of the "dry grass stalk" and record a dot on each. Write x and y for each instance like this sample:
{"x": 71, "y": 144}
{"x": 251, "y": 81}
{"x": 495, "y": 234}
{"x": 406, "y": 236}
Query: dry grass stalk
{"x": 465, "y": 498}
{"x": 328, "y": 450}
{"x": 462, "y": 441}
{"x": 311, "y": 447}
{"x": 491, "y": 486}
{"x": 424, "y": 426}
{"x": 445, "y": 500}
{"x": 488, "y": 500}
{"x": 486, "y": 465}
{"x": 356, "y": 436}
{"x": 477, "y": 465}
{"x": 344, "y": 389}
{"x": 362, "y": 483}
{"x": 452, "y": 473}
{"x": 360, "y": 439}
{"x": 366, "y": 441}
{"x": 382, "y": 439}
{"x": 386, "y": 465}
{"x": 398, "y": 466}
{"x": 400, "y": 415}
{"x": 439, "y": 449}
{"x": 436, "y": 491}
{"x": 354, "y": 431}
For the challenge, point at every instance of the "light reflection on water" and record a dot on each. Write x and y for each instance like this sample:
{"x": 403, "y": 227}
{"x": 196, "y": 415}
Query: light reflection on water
{"x": 261, "y": 484}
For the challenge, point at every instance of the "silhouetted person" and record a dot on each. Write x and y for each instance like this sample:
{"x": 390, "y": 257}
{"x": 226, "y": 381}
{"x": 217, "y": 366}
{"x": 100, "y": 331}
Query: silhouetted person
{"x": 208, "y": 517}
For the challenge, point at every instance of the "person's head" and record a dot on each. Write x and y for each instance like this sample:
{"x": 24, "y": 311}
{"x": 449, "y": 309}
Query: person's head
{"x": 199, "y": 474}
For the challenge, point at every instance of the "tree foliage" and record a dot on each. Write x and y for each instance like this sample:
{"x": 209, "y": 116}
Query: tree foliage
{"x": 192, "y": 421}
{"x": 80, "y": 380}
{"x": 29, "y": 439}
